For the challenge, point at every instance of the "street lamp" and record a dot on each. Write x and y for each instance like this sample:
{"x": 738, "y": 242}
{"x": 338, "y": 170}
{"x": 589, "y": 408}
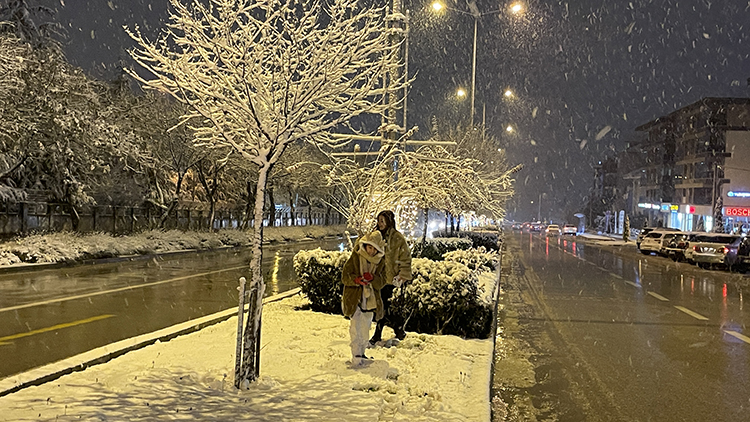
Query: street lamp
{"x": 515, "y": 8}
{"x": 460, "y": 93}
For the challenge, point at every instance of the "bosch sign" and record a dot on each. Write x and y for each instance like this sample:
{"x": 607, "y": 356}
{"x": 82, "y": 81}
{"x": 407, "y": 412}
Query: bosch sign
{"x": 737, "y": 211}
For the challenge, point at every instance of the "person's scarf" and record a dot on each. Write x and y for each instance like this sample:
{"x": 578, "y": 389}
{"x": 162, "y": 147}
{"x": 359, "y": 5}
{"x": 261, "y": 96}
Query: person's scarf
{"x": 368, "y": 264}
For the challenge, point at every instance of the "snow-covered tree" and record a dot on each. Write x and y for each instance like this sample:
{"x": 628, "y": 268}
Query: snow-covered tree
{"x": 261, "y": 74}
{"x": 29, "y": 23}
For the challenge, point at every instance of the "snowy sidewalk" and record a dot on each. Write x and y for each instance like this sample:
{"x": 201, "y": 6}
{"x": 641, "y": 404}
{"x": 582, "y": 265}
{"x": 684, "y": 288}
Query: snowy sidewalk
{"x": 304, "y": 377}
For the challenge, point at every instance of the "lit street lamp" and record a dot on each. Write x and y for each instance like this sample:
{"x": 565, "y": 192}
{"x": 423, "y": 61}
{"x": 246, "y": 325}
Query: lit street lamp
{"x": 515, "y": 8}
{"x": 460, "y": 93}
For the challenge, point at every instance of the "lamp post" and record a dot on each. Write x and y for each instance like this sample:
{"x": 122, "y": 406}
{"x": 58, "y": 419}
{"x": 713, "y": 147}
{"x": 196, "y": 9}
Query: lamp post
{"x": 515, "y": 8}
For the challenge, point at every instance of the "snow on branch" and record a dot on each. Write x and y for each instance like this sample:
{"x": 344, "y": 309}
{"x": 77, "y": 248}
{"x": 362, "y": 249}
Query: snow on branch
{"x": 261, "y": 74}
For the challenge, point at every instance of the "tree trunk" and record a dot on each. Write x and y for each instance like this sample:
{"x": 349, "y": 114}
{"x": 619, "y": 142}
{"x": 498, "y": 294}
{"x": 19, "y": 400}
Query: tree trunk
{"x": 75, "y": 218}
{"x": 250, "y": 367}
{"x": 424, "y": 230}
{"x": 211, "y": 213}
{"x": 249, "y": 206}
{"x": 166, "y": 213}
{"x": 291, "y": 208}
{"x": 271, "y": 208}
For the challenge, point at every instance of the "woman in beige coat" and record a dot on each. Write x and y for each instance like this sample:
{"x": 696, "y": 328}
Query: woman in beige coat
{"x": 363, "y": 276}
{"x": 397, "y": 271}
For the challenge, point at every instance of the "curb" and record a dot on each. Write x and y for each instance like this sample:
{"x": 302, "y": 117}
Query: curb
{"x": 80, "y": 362}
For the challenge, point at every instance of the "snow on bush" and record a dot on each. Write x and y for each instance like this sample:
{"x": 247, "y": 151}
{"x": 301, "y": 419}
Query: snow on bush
{"x": 319, "y": 274}
{"x": 434, "y": 249}
{"x": 443, "y": 298}
{"x": 475, "y": 259}
{"x": 488, "y": 240}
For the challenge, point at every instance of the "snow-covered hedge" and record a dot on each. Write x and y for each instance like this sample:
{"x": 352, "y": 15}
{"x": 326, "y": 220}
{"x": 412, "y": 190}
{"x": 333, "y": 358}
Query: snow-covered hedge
{"x": 319, "y": 274}
{"x": 434, "y": 249}
{"x": 475, "y": 259}
{"x": 444, "y": 296}
{"x": 487, "y": 239}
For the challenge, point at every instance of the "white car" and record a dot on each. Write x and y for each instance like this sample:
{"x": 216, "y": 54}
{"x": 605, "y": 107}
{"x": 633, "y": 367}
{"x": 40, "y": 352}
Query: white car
{"x": 657, "y": 241}
{"x": 570, "y": 229}
{"x": 552, "y": 230}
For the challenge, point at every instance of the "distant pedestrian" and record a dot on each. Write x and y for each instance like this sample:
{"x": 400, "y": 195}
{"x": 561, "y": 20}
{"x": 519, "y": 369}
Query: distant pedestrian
{"x": 363, "y": 276}
{"x": 397, "y": 271}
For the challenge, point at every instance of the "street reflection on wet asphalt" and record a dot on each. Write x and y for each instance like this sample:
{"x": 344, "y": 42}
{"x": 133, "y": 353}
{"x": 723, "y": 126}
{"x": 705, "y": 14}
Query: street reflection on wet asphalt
{"x": 651, "y": 339}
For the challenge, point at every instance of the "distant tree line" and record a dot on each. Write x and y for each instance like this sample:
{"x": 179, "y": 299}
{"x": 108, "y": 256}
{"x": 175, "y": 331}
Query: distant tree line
{"x": 84, "y": 142}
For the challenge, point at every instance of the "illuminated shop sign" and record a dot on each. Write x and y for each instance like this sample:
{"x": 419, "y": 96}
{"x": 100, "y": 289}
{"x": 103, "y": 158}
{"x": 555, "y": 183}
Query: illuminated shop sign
{"x": 737, "y": 211}
{"x": 689, "y": 209}
{"x": 674, "y": 208}
{"x": 732, "y": 194}
{"x": 648, "y": 206}
{"x": 666, "y": 207}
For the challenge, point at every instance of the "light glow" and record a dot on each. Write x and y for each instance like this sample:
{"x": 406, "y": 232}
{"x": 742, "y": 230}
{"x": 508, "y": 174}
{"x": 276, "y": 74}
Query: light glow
{"x": 516, "y": 8}
{"x": 437, "y": 6}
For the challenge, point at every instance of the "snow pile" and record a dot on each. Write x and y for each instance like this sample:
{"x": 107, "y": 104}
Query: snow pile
{"x": 304, "y": 377}
{"x": 70, "y": 247}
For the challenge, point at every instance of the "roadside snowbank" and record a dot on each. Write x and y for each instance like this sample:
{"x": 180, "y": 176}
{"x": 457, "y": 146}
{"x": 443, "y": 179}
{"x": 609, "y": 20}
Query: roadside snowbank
{"x": 304, "y": 377}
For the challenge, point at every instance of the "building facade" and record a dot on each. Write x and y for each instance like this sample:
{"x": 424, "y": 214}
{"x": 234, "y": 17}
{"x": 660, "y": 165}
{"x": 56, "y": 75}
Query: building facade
{"x": 695, "y": 169}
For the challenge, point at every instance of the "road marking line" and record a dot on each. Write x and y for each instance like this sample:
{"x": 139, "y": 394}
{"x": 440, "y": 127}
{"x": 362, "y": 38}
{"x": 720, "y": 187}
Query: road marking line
{"x": 658, "y": 296}
{"x": 692, "y": 314}
{"x": 632, "y": 284}
{"x": 55, "y": 327}
{"x": 738, "y": 335}
{"x": 121, "y": 289}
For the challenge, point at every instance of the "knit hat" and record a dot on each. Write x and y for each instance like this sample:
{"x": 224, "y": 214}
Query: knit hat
{"x": 375, "y": 239}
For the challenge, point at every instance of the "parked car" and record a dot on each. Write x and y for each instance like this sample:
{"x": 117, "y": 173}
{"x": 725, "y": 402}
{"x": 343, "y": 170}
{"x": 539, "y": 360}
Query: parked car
{"x": 678, "y": 244}
{"x": 570, "y": 229}
{"x": 656, "y": 241}
{"x": 711, "y": 249}
{"x": 738, "y": 256}
{"x": 646, "y": 230}
{"x": 552, "y": 230}
{"x": 516, "y": 226}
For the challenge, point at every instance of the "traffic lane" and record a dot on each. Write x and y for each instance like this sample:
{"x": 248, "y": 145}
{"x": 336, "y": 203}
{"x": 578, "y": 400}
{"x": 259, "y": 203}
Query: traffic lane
{"x": 18, "y": 289}
{"x": 133, "y": 313}
{"x": 653, "y": 362}
{"x": 716, "y": 295}
{"x": 31, "y": 287}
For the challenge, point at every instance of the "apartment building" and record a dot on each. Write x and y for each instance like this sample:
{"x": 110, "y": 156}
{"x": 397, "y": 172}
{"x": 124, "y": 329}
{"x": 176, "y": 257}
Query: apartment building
{"x": 695, "y": 163}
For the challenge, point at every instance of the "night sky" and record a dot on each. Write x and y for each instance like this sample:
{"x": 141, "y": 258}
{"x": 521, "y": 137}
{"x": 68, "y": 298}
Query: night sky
{"x": 586, "y": 73}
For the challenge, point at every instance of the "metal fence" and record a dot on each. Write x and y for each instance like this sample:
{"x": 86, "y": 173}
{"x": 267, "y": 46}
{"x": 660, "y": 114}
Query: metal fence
{"x": 25, "y": 217}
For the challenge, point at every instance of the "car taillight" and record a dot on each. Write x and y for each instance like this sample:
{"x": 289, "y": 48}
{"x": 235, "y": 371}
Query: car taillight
{"x": 695, "y": 248}
{"x": 726, "y": 250}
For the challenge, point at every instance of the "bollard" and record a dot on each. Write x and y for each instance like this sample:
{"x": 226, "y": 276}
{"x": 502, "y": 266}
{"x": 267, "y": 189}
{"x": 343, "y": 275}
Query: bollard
{"x": 238, "y": 350}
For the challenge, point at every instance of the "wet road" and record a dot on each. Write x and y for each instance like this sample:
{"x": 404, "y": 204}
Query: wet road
{"x": 637, "y": 338}
{"x": 48, "y": 315}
